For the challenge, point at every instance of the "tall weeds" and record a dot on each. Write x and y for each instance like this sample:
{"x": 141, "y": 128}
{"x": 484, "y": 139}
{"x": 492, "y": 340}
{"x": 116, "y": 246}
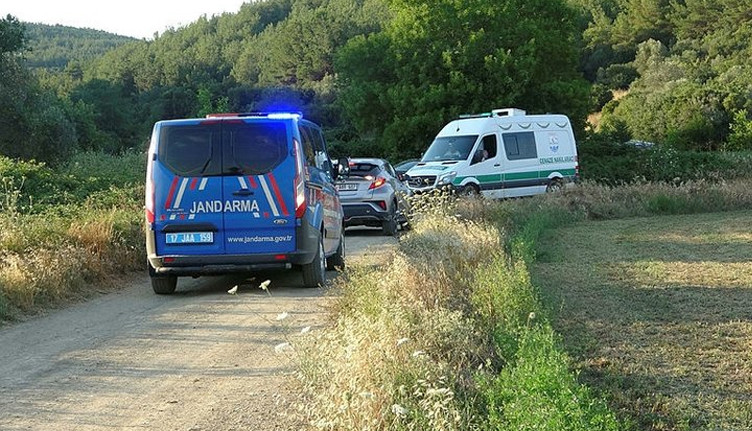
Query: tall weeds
{"x": 448, "y": 335}
{"x": 64, "y": 231}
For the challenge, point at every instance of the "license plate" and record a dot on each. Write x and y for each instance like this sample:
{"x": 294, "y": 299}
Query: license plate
{"x": 190, "y": 238}
{"x": 347, "y": 187}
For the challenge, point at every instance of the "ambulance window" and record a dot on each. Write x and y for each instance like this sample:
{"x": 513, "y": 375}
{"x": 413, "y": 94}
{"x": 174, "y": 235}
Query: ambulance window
{"x": 255, "y": 148}
{"x": 188, "y": 150}
{"x": 489, "y": 144}
{"x": 519, "y": 146}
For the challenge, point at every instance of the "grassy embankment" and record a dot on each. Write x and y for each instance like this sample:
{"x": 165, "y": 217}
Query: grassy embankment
{"x": 655, "y": 312}
{"x": 63, "y": 229}
{"x": 451, "y": 333}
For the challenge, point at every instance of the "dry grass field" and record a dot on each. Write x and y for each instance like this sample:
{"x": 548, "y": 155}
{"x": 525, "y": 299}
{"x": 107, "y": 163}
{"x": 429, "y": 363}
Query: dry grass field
{"x": 656, "y": 312}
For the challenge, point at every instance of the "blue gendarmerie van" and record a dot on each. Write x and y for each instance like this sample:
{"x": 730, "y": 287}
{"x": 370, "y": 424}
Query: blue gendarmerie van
{"x": 239, "y": 193}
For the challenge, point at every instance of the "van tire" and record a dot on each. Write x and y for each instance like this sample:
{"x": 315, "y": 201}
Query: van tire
{"x": 389, "y": 226}
{"x": 554, "y": 185}
{"x": 471, "y": 190}
{"x": 314, "y": 273}
{"x": 164, "y": 284}
{"x": 337, "y": 260}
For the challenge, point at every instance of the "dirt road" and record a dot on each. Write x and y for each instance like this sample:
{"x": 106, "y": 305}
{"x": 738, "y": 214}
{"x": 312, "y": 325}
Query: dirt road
{"x": 200, "y": 359}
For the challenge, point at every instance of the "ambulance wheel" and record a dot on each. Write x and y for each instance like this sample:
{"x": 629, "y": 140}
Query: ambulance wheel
{"x": 554, "y": 185}
{"x": 314, "y": 273}
{"x": 164, "y": 284}
{"x": 389, "y": 226}
{"x": 470, "y": 190}
{"x": 337, "y": 260}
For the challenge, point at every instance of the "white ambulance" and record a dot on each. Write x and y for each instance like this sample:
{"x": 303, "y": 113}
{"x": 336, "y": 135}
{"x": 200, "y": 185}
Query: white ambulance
{"x": 504, "y": 153}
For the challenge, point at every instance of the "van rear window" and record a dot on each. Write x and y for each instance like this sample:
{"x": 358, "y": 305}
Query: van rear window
{"x": 243, "y": 148}
{"x": 188, "y": 150}
{"x": 254, "y": 148}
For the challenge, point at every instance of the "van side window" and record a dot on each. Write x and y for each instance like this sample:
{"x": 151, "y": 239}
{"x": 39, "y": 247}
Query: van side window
{"x": 308, "y": 147}
{"x": 519, "y": 146}
{"x": 321, "y": 157}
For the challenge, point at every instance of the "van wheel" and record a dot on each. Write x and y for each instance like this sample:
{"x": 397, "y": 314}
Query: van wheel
{"x": 554, "y": 185}
{"x": 314, "y": 273}
{"x": 337, "y": 260}
{"x": 389, "y": 226}
{"x": 164, "y": 284}
{"x": 471, "y": 190}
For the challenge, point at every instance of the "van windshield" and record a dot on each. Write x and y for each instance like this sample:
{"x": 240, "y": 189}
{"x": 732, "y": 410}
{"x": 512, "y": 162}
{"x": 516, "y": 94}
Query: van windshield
{"x": 450, "y": 148}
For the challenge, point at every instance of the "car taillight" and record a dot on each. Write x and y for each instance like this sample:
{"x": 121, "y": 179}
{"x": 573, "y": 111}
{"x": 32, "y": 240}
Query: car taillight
{"x": 300, "y": 200}
{"x": 377, "y": 182}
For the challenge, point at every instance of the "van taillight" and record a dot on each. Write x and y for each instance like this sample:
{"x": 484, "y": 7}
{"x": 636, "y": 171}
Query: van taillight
{"x": 149, "y": 203}
{"x": 300, "y": 200}
{"x": 576, "y": 167}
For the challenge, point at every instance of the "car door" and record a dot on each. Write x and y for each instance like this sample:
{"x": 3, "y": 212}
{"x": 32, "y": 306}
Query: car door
{"x": 187, "y": 182}
{"x": 258, "y": 186}
{"x": 485, "y": 165}
{"x": 400, "y": 189}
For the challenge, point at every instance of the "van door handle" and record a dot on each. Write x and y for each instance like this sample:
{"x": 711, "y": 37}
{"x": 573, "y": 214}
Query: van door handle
{"x": 497, "y": 165}
{"x": 242, "y": 192}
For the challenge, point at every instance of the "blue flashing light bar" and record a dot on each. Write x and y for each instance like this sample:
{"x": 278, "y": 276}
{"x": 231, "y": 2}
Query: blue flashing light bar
{"x": 270, "y": 115}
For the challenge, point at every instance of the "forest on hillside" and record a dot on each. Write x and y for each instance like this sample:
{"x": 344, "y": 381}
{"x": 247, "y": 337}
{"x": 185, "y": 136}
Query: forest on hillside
{"x": 54, "y": 47}
{"x": 383, "y": 76}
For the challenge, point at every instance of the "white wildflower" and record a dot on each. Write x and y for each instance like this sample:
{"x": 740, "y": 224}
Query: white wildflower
{"x": 402, "y": 341}
{"x": 282, "y": 316}
{"x": 305, "y": 330}
{"x": 399, "y": 410}
{"x": 282, "y": 347}
{"x": 234, "y": 290}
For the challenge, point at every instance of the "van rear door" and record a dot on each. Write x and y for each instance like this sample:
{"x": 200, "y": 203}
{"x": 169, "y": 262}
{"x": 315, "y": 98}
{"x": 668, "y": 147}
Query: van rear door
{"x": 188, "y": 189}
{"x": 258, "y": 186}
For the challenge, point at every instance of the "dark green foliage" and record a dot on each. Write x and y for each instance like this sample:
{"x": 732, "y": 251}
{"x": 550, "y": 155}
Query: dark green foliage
{"x": 382, "y": 76}
{"x": 12, "y": 35}
{"x": 437, "y": 60}
{"x": 599, "y": 96}
{"x": 617, "y": 76}
{"x": 608, "y": 158}
{"x": 55, "y": 47}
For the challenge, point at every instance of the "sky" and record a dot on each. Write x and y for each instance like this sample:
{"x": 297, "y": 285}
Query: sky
{"x": 135, "y": 18}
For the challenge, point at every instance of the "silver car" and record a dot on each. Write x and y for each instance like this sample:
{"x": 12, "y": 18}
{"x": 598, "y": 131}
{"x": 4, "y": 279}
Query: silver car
{"x": 372, "y": 195}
